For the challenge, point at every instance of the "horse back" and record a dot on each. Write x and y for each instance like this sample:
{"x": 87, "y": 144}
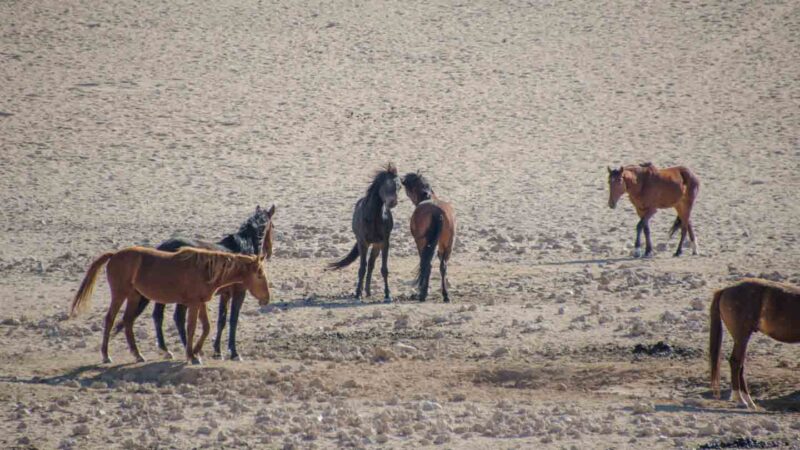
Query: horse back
{"x": 161, "y": 276}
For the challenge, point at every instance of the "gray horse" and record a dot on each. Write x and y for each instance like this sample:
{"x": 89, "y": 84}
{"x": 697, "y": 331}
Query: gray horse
{"x": 372, "y": 225}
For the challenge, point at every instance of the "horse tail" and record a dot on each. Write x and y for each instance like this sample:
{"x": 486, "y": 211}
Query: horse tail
{"x": 715, "y": 342}
{"x": 691, "y": 182}
{"x": 675, "y": 226}
{"x": 346, "y": 261}
{"x": 431, "y": 241}
{"x": 82, "y": 299}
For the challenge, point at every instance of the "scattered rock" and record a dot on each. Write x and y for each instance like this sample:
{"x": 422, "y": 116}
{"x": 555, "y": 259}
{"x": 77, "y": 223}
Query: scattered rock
{"x": 644, "y": 408}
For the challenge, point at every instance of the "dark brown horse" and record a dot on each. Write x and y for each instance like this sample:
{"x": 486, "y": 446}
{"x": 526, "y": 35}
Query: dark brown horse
{"x": 433, "y": 224}
{"x": 190, "y": 276}
{"x": 746, "y": 307}
{"x": 372, "y": 225}
{"x": 650, "y": 189}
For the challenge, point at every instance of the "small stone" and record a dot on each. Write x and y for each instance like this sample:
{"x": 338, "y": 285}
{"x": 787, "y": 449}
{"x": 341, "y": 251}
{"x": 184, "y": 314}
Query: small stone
{"x": 500, "y": 352}
{"x": 204, "y": 430}
{"x": 428, "y": 405}
{"x": 643, "y": 408}
{"x": 81, "y": 430}
{"x": 708, "y": 430}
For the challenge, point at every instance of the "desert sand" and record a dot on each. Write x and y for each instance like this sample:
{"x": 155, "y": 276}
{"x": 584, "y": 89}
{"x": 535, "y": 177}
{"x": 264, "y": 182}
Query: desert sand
{"x": 126, "y": 123}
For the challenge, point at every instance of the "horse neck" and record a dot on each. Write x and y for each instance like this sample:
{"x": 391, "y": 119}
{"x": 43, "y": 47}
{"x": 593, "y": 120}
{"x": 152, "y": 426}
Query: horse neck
{"x": 631, "y": 179}
{"x": 374, "y": 207}
{"x": 423, "y": 197}
{"x": 233, "y": 276}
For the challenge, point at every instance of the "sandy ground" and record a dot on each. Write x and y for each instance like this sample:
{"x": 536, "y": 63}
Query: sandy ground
{"x": 128, "y": 122}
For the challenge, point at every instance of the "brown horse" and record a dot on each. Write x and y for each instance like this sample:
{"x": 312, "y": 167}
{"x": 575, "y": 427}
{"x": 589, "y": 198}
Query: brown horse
{"x": 433, "y": 224}
{"x": 746, "y": 307}
{"x": 650, "y": 189}
{"x": 190, "y": 276}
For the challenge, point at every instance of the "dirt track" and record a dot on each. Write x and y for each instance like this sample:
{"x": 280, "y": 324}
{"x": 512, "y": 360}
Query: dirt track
{"x": 126, "y": 123}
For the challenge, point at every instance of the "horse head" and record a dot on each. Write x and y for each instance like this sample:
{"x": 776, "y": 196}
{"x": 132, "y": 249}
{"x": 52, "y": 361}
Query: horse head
{"x": 616, "y": 186}
{"x": 256, "y": 281}
{"x": 385, "y": 186}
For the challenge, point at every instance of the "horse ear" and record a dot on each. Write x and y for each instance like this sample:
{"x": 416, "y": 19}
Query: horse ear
{"x": 609, "y": 169}
{"x": 258, "y": 209}
{"x": 621, "y": 169}
{"x": 271, "y": 211}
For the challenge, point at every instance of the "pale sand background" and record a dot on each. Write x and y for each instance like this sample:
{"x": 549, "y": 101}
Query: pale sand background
{"x": 128, "y": 122}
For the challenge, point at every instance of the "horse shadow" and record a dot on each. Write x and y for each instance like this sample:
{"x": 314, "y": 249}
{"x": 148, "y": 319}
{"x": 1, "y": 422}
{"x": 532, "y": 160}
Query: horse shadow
{"x": 591, "y": 261}
{"x": 344, "y": 301}
{"x": 156, "y": 372}
{"x": 785, "y": 403}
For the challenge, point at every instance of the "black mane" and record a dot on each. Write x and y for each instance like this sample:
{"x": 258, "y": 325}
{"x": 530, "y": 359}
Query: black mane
{"x": 373, "y": 198}
{"x": 250, "y": 236}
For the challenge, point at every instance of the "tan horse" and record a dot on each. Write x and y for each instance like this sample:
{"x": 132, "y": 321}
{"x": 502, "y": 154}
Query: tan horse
{"x": 650, "y": 189}
{"x": 190, "y": 277}
{"x": 433, "y": 224}
{"x": 746, "y": 307}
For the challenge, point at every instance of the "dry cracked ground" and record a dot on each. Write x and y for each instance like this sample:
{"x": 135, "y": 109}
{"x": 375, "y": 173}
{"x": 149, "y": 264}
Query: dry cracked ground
{"x": 127, "y": 123}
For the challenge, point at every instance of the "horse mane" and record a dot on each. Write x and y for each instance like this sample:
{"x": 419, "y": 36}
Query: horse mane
{"x": 390, "y": 171}
{"x": 217, "y": 265}
{"x": 419, "y": 184}
{"x": 372, "y": 198}
{"x": 250, "y": 236}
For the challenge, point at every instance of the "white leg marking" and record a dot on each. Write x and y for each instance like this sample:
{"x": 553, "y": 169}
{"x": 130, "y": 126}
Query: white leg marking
{"x": 695, "y": 248}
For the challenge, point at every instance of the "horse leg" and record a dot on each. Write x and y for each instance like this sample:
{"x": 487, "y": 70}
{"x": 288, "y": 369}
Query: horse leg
{"x": 737, "y": 367}
{"x": 387, "y": 295}
{"x": 362, "y": 267}
{"x": 127, "y": 320}
{"x": 637, "y": 246}
{"x": 180, "y": 321}
{"x": 236, "y": 307}
{"x": 203, "y": 314}
{"x": 648, "y": 249}
{"x": 116, "y": 303}
{"x": 224, "y": 297}
{"x": 373, "y": 255}
{"x": 158, "y": 321}
{"x": 679, "y": 250}
{"x": 194, "y": 310}
{"x": 683, "y": 216}
{"x": 443, "y": 272}
{"x": 693, "y": 239}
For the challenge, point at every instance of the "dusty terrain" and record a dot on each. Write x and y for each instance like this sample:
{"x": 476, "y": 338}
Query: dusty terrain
{"x": 128, "y": 122}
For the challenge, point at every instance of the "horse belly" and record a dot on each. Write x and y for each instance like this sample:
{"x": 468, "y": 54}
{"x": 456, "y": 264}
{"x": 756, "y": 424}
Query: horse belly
{"x": 780, "y": 318}
{"x": 165, "y": 286}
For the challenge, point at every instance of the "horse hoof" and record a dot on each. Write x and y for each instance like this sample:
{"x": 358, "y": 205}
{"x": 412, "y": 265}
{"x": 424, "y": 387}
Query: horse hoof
{"x": 196, "y": 361}
{"x": 637, "y": 252}
{"x": 167, "y": 354}
{"x": 107, "y": 360}
{"x": 140, "y": 358}
{"x": 236, "y": 358}
{"x": 388, "y": 299}
{"x": 447, "y": 300}
{"x": 216, "y": 355}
